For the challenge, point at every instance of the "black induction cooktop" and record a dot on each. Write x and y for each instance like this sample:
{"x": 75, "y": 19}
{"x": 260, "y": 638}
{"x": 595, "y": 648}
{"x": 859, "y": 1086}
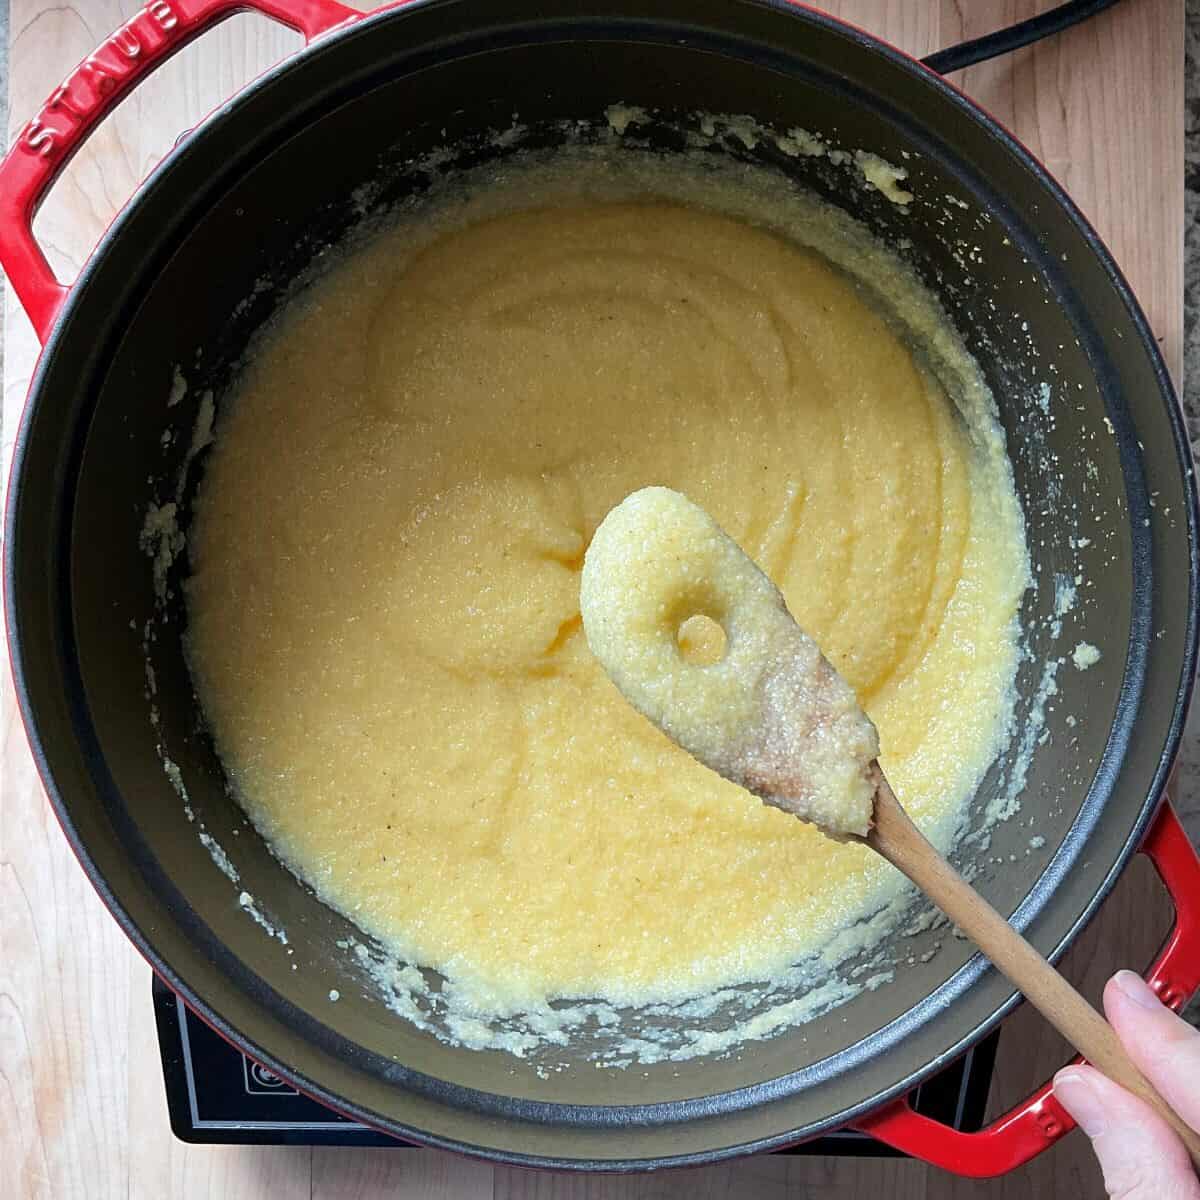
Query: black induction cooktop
{"x": 215, "y": 1094}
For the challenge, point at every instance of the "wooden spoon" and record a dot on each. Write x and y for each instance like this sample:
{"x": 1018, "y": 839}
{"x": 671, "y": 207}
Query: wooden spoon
{"x": 894, "y": 835}
{"x": 774, "y": 716}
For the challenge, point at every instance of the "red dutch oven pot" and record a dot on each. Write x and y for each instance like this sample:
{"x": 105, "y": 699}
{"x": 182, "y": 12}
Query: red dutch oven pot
{"x": 200, "y": 257}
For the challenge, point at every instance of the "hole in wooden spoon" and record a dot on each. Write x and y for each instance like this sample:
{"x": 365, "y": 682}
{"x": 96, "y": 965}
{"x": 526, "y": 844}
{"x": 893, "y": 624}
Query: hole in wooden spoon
{"x": 701, "y": 641}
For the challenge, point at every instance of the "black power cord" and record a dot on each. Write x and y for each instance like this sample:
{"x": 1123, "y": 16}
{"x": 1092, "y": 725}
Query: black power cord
{"x": 1004, "y": 41}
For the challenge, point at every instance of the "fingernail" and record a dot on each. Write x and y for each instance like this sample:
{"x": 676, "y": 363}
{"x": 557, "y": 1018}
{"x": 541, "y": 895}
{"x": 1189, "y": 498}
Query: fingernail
{"x": 1079, "y": 1098}
{"x": 1136, "y": 990}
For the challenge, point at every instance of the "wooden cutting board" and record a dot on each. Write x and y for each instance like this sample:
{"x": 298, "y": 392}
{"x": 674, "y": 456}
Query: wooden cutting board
{"x": 82, "y": 1110}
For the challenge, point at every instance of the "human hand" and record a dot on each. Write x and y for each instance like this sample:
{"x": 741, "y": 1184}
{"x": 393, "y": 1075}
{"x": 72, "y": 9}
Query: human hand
{"x": 1140, "y": 1155}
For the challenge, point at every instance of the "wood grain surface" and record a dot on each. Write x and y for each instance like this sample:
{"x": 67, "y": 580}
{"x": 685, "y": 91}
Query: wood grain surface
{"x": 82, "y": 1111}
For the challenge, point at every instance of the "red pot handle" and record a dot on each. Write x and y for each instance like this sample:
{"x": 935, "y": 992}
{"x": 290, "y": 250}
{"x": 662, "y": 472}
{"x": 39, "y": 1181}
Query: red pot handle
{"x": 45, "y": 146}
{"x": 1039, "y": 1121}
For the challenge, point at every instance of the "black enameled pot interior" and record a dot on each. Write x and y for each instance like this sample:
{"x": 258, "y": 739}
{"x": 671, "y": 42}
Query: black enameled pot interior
{"x": 242, "y": 208}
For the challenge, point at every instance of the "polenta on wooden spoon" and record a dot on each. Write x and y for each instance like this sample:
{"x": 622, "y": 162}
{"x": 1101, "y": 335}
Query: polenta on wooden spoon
{"x": 772, "y": 714}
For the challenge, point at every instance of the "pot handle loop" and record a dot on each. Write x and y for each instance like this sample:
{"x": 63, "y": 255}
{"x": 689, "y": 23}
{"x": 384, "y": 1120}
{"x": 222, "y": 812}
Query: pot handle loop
{"x": 1039, "y": 1121}
{"x": 77, "y": 106}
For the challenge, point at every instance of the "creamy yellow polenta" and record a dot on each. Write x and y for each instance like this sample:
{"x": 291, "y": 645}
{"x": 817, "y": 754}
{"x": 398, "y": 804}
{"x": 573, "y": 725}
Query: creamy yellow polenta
{"x": 384, "y": 612}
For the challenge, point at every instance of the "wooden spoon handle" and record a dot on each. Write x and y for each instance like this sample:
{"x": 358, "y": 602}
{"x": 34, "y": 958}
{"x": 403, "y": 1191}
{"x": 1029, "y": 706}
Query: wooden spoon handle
{"x": 902, "y": 844}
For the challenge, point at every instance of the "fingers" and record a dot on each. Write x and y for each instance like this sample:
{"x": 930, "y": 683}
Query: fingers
{"x": 1140, "y": 1156}
{"x": 1163, "y": 1046}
